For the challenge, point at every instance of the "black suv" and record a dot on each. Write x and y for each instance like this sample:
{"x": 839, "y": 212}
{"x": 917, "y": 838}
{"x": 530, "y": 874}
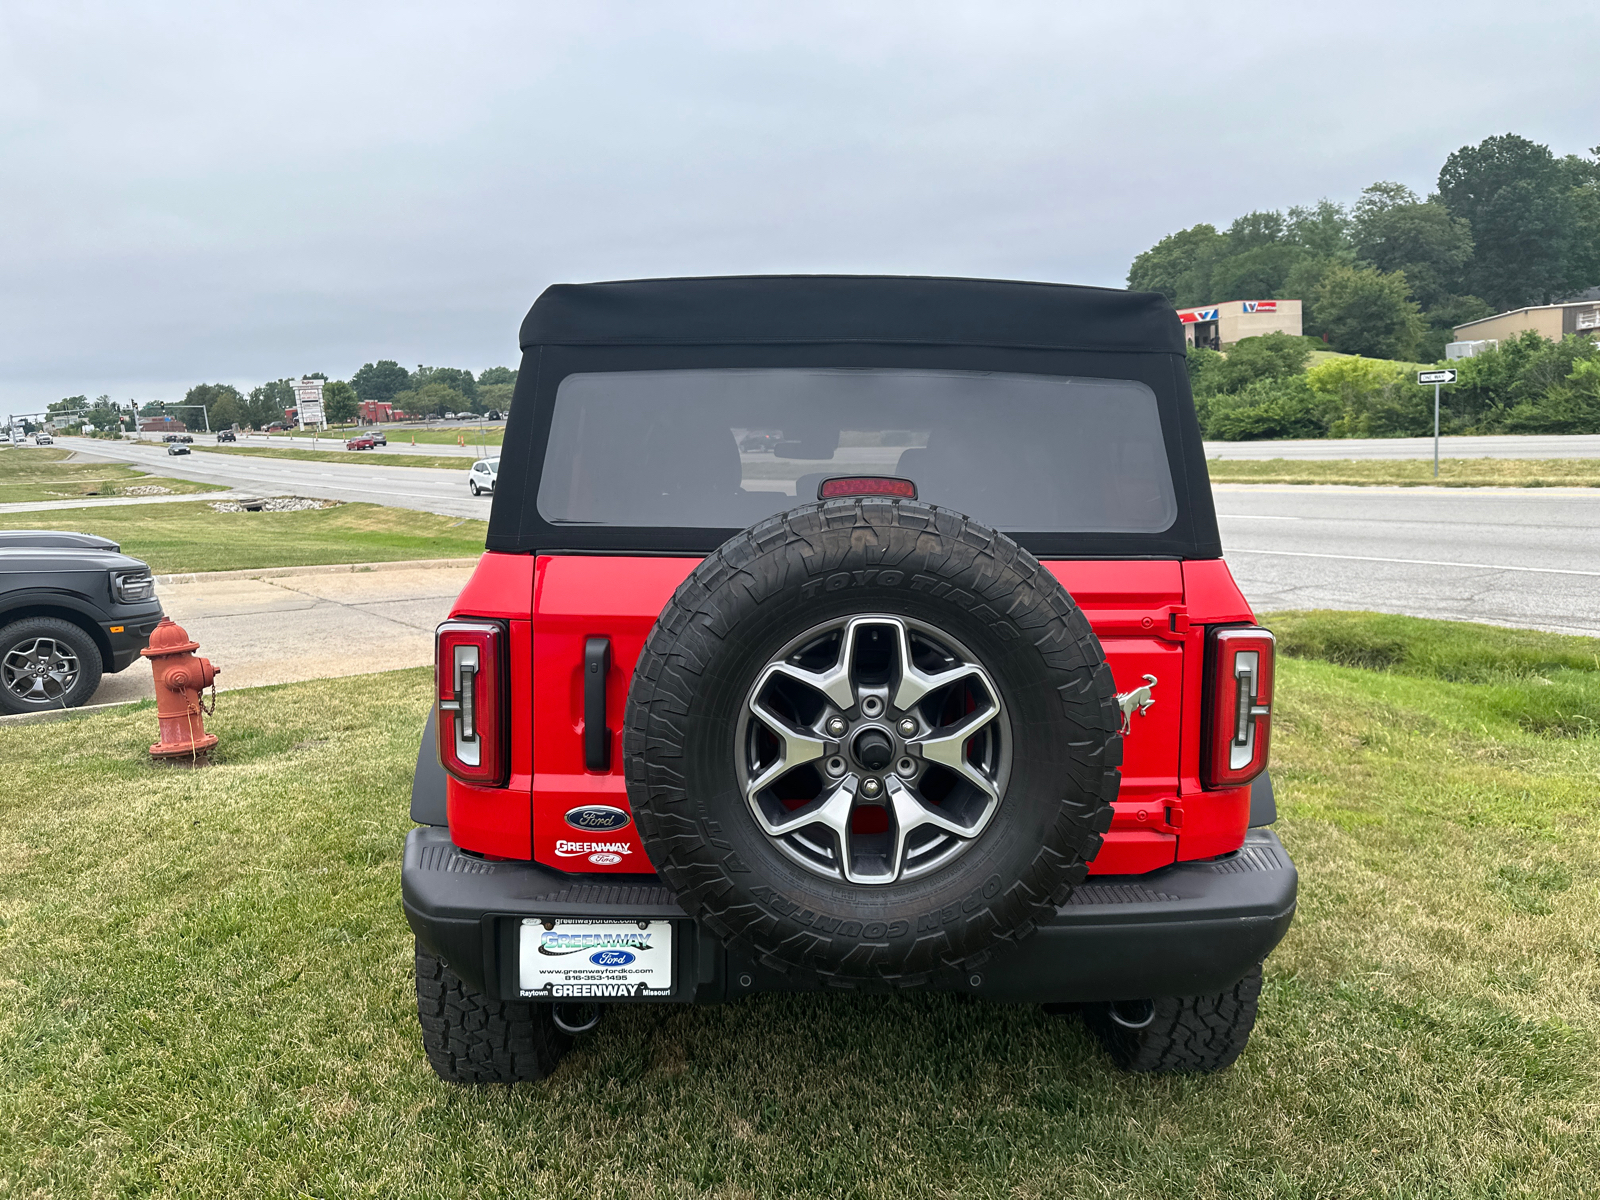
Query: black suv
{"x": 72, "y": 607}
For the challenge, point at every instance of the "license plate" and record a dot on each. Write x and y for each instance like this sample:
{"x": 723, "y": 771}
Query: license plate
{"x": 596, "y": 959}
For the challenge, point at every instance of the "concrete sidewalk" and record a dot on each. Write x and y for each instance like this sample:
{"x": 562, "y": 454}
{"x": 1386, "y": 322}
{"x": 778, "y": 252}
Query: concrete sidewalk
{"x": 286, "y": 624}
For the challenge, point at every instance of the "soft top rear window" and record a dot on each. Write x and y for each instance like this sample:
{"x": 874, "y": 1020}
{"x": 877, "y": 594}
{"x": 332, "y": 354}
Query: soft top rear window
{"x": 722, "y": 448}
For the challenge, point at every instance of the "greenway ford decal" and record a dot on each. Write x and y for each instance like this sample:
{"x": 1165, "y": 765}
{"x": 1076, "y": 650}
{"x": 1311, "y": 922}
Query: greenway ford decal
{"x": 612, "y": 958}
{"x": 583, "y": 959}
{"x": 599, "y": 817}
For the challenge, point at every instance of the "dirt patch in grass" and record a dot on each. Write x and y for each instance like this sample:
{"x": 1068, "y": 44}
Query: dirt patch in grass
{"x": 1453, "y": 472}
{"x": 205, "y": 990}
{"x": 195, "y": 537}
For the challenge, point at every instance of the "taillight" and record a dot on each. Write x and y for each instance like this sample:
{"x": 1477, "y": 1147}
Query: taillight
{"x": 469, "y": 667}
{"x": 1239, "y": 706}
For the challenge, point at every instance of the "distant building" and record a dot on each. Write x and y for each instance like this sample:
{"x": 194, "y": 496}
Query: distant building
{"x": 162, "y": 425}
{"x": 1217, "y": 325}
{"x": 375, "y": 411}
{"x": 1553, "y": 321}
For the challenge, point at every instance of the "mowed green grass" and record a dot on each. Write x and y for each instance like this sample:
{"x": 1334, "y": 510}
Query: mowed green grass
{"x": 196, "y": 537}
{"x": 370, "y": 457}
{"x": 205, "y": 985}
{"x": 29, "y": 474}
{"x": 1415, "y": 472}
{"x": 445, "y": 435}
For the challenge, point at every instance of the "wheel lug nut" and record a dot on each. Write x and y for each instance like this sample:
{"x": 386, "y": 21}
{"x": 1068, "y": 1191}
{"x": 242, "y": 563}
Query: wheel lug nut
{"x": 836, "y": 726}
{"x": 870, "y": 787}
{"x": 908, "y": 727}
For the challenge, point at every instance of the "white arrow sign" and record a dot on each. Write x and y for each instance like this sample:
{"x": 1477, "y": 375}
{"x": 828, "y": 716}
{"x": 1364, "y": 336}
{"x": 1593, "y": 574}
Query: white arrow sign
{"x": 1448, "y": 376}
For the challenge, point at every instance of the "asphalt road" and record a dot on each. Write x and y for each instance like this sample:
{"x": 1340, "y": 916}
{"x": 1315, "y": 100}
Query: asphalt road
{"x": 1501, "y": 446}
{"x": 422, "y": 488}
{"x": 1514, "y": 556}
{"x": 1508, "y": 556}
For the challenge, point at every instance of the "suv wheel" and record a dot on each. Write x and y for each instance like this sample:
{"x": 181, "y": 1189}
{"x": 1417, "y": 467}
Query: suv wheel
{"x": 472, "y": 485}
{"x": 46, "y": 663}
{"x": 1184, "y": 1034}
{"x": 472, "y": 1038}
{"x": 872, "y": 741}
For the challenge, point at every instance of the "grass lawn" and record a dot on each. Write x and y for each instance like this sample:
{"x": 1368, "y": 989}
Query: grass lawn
{"x": 196, "y": 537}
{"x": 1411, "y": 472}
{"x": 371, "y": 457}
{"x": 29, "y": 474}
{"x": 205, "y": 982}
{"x": 445, "y": 435}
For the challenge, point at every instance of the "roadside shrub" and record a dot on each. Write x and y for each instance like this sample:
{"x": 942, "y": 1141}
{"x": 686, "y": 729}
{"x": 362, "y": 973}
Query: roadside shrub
{"x": 1268, "y": 408}
{"x": 1371, "y": 398}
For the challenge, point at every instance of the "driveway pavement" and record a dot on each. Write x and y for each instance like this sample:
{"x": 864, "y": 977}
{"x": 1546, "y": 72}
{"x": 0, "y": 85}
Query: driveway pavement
{"x": 303, "y": 623}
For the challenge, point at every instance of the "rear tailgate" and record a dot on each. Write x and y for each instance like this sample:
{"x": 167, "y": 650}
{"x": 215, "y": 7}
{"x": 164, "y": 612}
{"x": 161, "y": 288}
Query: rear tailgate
{"x": 1135, "y": 607}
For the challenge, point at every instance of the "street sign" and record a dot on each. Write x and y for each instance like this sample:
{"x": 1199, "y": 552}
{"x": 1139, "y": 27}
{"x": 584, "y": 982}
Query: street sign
{"x": 1436, "y": 378}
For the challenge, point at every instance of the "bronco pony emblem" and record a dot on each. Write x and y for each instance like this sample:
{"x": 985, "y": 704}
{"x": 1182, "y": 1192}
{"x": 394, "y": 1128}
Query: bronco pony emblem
{"x": 1139, "y": 700}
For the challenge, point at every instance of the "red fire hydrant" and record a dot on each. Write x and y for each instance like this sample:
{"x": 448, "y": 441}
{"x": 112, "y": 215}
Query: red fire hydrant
{"x": 181, "y": 678}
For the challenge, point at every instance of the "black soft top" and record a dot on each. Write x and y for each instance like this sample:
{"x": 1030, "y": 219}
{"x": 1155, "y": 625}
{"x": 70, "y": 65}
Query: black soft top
{"x": 843, "y": 322}
{"x": 798, "y": 309}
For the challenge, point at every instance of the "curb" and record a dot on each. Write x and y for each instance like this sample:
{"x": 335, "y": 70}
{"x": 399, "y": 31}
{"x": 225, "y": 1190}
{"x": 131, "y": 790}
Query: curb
{"x": 415, "y": 564}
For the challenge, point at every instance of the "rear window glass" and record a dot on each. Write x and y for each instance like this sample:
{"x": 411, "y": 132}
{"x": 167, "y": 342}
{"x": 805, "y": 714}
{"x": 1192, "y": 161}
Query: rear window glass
{"x": 724, "y": 448}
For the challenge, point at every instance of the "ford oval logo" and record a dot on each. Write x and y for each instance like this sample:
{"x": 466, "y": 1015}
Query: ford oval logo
{"x": 611, "y": 958}
{"x": 597, "y": 816}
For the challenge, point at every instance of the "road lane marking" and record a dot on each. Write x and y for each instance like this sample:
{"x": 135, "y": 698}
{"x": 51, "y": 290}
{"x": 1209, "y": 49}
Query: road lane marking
{"x": 1420, "y": 562}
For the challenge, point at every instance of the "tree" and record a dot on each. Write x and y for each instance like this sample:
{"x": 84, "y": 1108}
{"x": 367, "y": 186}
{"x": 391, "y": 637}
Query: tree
{"x": 495, "y": 395}
{"x": 223, "y": 404}
{"x": 493, "y": 376}
{"x": 1322, "y": 229}
{"x": 430, "y": 399}
{"x": 453, "y": 378}
{"x": 1393, "y": 230}
{"x": 380, "y": 380}
{"x": 1179, "y": 265}
{"x": 340, "y": 402}
{"x": 1364, "y": 311}
{"x": 1258, "y": 273}
{"x": 268, "y": 402}
{"x": 1518, "y": 201}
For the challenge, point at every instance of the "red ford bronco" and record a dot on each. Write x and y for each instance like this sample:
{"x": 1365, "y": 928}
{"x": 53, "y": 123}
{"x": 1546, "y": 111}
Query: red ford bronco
{"x": 941, "y": 683}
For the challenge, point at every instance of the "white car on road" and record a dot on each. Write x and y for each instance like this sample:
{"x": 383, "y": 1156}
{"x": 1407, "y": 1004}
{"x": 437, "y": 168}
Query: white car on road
{"x": 482, "y": 477}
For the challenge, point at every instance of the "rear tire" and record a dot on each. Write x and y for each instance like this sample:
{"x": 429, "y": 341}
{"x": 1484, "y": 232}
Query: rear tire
{"x": 473, "y": 1038}
{"x": 71, "y": 655}
{"x": 1185, "y": 1035}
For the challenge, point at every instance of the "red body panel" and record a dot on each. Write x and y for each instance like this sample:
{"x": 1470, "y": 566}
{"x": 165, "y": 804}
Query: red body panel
{"x": 578, "y": 597}
{"x": 1149, "y": 615}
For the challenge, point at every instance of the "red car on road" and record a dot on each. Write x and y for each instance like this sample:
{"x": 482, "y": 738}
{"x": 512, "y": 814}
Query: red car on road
{"x": 362, "y": 441}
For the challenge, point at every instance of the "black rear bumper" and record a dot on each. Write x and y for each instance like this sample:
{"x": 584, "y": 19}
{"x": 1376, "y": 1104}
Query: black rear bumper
{"x": 1186, "y": 930}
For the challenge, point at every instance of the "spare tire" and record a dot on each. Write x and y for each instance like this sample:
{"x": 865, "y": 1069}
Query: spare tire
{"x": 873, "y": 741}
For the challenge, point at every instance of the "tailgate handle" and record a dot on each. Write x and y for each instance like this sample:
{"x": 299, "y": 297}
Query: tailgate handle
{"x": 596, "y": 737}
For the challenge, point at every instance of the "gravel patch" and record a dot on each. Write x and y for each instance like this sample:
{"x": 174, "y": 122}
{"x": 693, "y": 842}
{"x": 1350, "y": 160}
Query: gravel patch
{"x": 147, "y": 489}
{"x": 274, "y": 504}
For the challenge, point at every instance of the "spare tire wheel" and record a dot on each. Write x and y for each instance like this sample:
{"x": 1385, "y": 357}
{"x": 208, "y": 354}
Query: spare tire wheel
{"x": 873, "y": 741}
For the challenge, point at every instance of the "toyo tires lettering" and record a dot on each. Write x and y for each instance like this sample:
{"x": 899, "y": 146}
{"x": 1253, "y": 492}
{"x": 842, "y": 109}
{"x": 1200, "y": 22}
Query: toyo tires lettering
{"x": 840, "y": 580}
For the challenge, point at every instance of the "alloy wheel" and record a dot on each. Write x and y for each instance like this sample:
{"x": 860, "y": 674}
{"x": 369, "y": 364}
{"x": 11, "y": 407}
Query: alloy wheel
{"x": 873, "y": 749}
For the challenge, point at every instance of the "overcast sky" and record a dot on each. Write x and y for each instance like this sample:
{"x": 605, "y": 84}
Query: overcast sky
{"x": 239, "y": 192}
